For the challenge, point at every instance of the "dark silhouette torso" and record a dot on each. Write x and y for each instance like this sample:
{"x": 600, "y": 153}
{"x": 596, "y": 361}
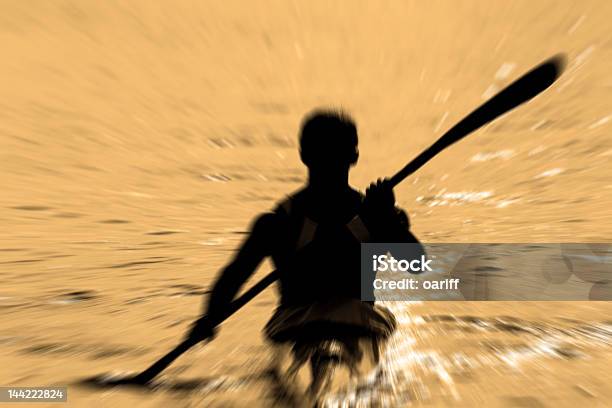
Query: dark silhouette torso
{"x": 319, "y": 266}
{"x": 326, "y": 264}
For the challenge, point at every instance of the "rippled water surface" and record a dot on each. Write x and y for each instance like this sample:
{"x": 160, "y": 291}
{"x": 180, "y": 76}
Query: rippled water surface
{"x": 138, "y": 141}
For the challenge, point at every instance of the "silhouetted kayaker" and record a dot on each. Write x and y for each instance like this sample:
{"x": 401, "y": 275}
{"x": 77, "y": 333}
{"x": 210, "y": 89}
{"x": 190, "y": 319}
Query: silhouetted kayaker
{"x": 313, "y": 237}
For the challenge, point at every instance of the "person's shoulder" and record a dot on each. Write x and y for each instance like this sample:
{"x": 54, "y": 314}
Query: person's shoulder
{"x": 284, "y": 210}
{"x": 265, "y": 223}
{"x": 290, "y": 205}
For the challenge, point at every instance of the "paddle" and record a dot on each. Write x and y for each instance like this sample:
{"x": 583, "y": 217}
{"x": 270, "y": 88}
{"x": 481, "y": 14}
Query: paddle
{"x": 520, "y": 91}
{"x": 147, "y": 375}
{"x": 515, "y": 94}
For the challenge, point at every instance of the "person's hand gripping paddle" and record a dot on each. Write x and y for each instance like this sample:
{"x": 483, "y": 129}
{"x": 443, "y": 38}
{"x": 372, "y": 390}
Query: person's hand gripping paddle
{"x": 515, "y": 94}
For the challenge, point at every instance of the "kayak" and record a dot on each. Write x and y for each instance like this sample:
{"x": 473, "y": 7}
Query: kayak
{"x": 324, "y": 348}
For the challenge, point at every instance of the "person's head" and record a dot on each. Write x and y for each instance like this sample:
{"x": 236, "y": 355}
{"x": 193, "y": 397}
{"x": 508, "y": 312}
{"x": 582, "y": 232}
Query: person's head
{"x": 328, "y": 143}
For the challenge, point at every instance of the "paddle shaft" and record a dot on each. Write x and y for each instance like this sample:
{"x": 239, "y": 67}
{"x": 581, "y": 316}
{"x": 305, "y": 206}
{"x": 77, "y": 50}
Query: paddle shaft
{"x": 520, "y": 91}
{"x": 515, "y": 94}
{"x": 157, "y": 367}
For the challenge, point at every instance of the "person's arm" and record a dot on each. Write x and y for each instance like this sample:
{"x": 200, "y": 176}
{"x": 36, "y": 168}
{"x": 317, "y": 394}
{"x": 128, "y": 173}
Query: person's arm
{"x": 237, "y": 272}
{"x": 404, "y": 235}
{"x": 400, "y": 228}
{"x": 388, "y": 222}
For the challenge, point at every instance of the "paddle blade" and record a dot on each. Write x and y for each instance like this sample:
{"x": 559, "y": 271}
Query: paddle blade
{"x": 515, "y": 94}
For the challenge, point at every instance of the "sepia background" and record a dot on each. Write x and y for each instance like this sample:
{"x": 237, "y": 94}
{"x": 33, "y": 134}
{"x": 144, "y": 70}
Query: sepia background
{"x": 138, "y": 140}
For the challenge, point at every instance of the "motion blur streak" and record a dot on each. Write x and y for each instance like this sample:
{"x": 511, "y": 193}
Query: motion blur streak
{"x": 139, "y": 138}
